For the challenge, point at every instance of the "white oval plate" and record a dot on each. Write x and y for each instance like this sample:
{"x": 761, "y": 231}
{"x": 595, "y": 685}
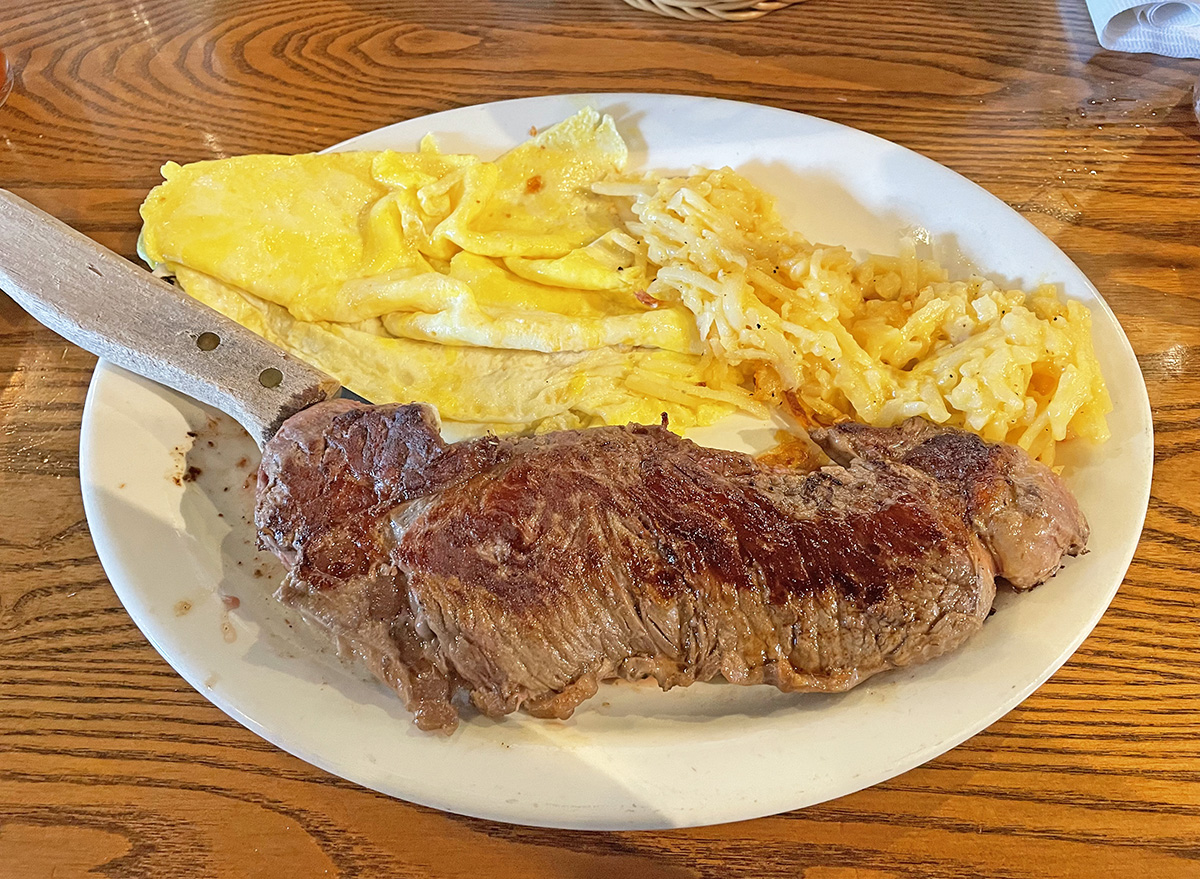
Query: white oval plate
{"x": 179, "y": 551}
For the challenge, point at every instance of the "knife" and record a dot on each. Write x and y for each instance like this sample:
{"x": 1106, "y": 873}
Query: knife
{"x": 107, "y": 305}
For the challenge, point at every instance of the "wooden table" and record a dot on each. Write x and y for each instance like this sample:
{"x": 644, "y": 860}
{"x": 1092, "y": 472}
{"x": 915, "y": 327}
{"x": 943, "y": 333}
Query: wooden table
{"x": 108, "y": 760}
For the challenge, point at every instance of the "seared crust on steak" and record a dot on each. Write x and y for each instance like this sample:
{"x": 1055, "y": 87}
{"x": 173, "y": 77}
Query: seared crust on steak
{"x": 1022, "y": 511}
{"x": 524, "y": 571}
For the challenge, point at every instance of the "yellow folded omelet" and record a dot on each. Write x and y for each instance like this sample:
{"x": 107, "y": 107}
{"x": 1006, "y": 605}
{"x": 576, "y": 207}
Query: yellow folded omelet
{"x": 502, "y": 292}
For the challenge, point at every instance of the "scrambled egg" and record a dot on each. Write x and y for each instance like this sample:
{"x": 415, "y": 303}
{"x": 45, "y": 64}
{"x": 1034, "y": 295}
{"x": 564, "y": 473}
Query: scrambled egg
{"x": 501, "y": 292}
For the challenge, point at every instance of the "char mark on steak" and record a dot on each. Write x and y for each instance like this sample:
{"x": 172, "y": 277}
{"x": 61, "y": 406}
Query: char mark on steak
{"x": 524, "y": 571}
{"x": 1022, "y": 511}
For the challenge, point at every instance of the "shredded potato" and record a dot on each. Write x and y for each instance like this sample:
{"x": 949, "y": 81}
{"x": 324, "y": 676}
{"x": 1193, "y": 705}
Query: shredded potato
{"x": 876, "y": 341}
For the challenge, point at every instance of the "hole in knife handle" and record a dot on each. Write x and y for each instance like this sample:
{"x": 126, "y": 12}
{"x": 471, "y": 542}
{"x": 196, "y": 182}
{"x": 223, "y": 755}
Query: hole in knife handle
{"x": 270, "y": 377}
{"x": 207, "y": 341}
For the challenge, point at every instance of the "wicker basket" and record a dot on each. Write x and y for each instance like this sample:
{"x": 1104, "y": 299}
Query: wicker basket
{"x": 712, "y": 10}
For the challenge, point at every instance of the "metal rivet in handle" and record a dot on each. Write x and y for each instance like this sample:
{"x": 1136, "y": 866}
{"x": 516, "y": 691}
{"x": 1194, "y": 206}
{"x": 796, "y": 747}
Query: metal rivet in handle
{"x": 270, "y": 377}
{"x": 207, "y": 341}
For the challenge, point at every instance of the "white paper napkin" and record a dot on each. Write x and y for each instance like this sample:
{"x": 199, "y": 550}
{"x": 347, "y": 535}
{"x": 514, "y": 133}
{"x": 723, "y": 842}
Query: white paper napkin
{"x": 1163, "y": 28}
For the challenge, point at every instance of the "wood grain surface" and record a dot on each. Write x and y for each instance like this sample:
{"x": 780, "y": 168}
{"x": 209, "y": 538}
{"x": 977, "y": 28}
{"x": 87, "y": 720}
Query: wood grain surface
{"x": 111, "y": 765}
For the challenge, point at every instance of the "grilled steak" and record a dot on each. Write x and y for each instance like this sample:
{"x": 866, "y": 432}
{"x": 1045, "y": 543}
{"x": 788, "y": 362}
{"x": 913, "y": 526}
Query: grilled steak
{"x": 522, "y": 572}
{"x": 1024, "y": 514}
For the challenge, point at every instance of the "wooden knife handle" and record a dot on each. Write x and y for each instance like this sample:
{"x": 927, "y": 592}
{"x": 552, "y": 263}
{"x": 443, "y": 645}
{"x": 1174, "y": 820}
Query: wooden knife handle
{"x": 111, "y": 307}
